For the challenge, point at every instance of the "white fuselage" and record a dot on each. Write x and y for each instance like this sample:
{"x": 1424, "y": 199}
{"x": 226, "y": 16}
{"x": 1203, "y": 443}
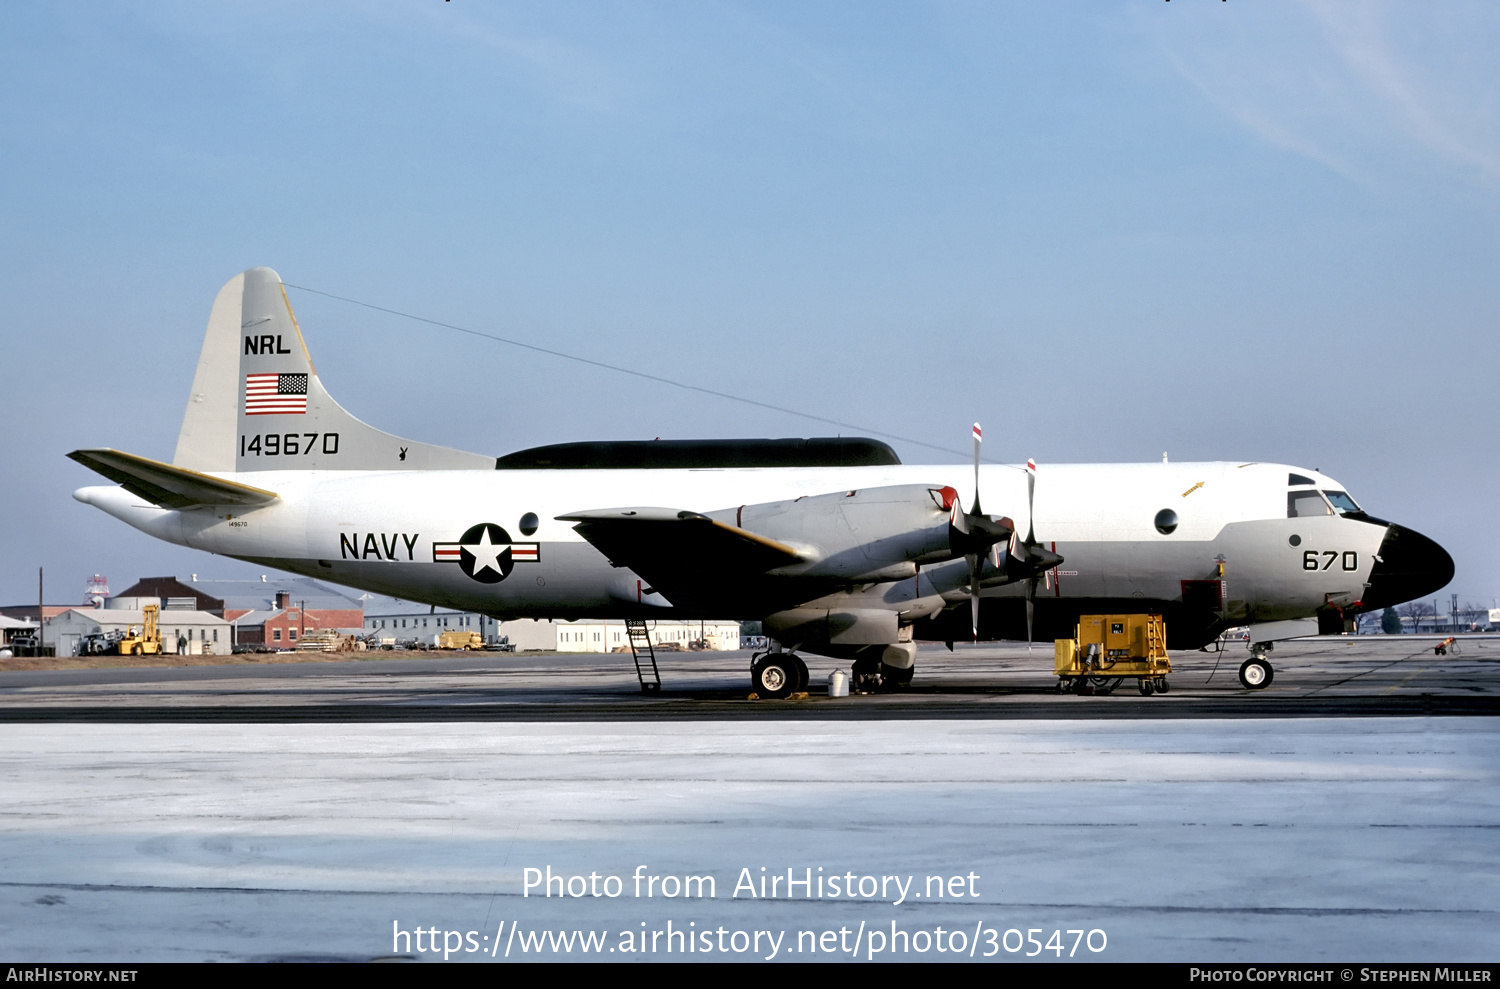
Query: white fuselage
{"x": 384, "y": 531}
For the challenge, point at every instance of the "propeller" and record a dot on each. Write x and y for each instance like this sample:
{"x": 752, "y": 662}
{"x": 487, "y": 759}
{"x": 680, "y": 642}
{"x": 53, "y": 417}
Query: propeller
{"x": 975, "y": 535}
{"x": 1030, "y": 557}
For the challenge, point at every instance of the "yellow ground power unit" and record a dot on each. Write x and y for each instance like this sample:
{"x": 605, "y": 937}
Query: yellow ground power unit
{"x": 1109, "y": 648}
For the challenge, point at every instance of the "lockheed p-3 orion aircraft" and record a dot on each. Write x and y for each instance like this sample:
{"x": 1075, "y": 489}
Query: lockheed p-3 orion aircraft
{"x": 834, "y": 545}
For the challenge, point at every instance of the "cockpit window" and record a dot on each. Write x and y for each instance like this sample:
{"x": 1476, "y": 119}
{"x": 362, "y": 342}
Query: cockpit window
{"x": 1296, "y": 479}
{"x": 1301, "y": 504}
{"x": 1341, "y": 502}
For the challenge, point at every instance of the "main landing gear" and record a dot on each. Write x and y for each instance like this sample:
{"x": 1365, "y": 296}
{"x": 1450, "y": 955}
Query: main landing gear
{"x": 871, "y": 676}
{"x": 776, "y": 675}
{"x": 1256, "y": 672}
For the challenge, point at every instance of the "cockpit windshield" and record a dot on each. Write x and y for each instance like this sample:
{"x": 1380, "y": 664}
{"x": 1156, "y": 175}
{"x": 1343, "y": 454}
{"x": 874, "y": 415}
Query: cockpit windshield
{"x": 1301, "y": 504}
{"x": 1341, "y": 502}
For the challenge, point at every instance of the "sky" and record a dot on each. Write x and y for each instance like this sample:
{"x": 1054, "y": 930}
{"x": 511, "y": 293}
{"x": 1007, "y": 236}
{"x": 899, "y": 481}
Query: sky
{"x": 1225, "y": 230}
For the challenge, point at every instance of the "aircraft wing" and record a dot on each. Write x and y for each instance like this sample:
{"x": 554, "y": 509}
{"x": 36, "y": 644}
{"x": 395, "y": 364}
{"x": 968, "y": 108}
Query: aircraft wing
{"x": 686, "y": 556}
{"x": 169, "y": 486}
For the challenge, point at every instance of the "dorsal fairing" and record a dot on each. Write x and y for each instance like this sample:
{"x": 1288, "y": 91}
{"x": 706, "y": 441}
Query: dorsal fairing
{"x": 257, "y": 403}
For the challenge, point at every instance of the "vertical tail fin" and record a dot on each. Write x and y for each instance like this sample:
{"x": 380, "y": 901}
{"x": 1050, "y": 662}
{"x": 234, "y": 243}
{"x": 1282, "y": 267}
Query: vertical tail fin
{"x": 257, "y": 403}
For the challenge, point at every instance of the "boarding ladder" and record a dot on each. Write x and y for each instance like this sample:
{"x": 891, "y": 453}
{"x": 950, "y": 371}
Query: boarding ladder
{"x": 1156, "y": 644}
{"x": 645, "y": 655}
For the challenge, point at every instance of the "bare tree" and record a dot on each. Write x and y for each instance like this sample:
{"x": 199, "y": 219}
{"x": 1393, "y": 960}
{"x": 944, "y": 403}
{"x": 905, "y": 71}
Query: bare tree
{"x": 1417, "y": 612}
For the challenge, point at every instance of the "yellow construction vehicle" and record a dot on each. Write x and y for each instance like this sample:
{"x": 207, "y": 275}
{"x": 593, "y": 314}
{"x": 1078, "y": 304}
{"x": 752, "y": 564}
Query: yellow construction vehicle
{"x": 142, "y": 640}
{"x": 460, "y": 640}
{"x": 1110, "y": 648}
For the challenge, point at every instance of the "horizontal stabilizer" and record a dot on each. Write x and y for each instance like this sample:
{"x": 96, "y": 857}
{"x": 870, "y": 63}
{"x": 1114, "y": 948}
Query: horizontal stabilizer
{"x": 166, "y": 485}
{"x": 685, "y": 555}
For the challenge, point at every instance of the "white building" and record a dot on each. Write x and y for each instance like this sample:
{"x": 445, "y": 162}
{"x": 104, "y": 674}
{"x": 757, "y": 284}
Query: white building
{"x": 599, "y": 635}
{"x": 426, "y": 626}
{"x": 200, "y": 632}
{"x": 531, "y": 635}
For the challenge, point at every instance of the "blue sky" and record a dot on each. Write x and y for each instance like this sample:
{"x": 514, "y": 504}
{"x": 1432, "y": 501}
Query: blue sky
{"x": 1226, "y": 230}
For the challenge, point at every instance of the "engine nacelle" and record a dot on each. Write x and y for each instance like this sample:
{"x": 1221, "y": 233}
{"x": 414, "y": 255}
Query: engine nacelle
{"x": 870, "y": 534}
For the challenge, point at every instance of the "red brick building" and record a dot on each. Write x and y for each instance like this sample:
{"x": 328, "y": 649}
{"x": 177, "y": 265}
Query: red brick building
{"x": 288, "y": 623}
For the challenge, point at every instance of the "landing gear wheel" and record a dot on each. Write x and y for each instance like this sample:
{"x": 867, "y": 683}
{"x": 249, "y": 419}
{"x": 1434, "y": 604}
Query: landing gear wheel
{"x": 774, "y": 675}
{"x": 865, "y": 677}
{"x": 1256, "y": 673}
{"x": 892, "y": 677}
{"x": 802, "y": 674}
{"x": 1146, "y": 688}
{"x": 1162, "y": 686}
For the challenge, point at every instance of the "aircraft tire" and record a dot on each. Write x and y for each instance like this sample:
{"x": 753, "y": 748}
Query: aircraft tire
{"x": 803, "y": 677}
{"x": 774, "y": 675}
{"x": 1256, "y": 673}
{"x": 893, "y": 677}
{"x": 865, "y": 676}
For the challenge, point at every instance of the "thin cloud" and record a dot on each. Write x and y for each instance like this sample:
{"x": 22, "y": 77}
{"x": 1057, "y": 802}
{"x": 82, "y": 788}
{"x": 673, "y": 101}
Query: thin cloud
{"x": 1356, "y": 88}
{"x": 567, "y": 72}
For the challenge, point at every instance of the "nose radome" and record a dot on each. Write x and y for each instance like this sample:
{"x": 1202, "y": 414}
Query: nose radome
{"x": 1410, "y": 566}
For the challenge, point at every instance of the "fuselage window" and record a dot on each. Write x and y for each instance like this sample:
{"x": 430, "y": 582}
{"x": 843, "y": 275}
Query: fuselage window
{"x": 1293, "y": 480}
{"x": 1301, "y": 504}
{"x": 1341, "y": 502}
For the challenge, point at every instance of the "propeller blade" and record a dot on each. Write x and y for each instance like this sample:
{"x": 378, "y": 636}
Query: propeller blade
{"x": 1030, "y": 609}
{"x": 1030, "y": 502}
{"x": 978, "y": 438}
{"x": 974, "y": 560}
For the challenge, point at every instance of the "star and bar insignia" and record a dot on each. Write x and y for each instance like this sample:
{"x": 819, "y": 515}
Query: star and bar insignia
{"x": 485, "y": 553}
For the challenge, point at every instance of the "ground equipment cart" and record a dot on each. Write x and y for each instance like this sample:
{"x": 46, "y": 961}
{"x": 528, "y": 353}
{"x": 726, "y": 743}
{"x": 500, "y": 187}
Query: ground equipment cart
{"x": 1110, "y": 648}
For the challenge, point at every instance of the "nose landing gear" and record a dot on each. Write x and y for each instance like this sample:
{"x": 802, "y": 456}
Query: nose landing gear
{"x": 1256, "y": 672}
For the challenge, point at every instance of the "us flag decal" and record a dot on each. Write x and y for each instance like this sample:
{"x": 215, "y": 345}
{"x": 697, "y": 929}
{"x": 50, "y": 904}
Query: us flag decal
{"x": 275, "y": 394}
